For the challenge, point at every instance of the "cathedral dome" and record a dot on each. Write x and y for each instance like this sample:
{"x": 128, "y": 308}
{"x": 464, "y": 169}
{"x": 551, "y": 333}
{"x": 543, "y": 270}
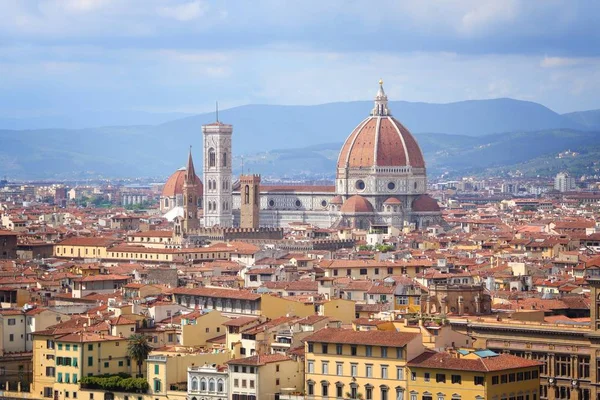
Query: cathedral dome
{"x": 337, "y": 200}
{"x": 425, "y": 203}
{"x": 380, "y": 141}
{"x": 357, "y": 204}
{"x": 174, "y": 185}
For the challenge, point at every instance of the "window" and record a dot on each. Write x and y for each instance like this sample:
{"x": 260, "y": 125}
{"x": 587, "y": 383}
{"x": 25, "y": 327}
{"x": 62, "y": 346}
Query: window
{"x": 339, "y": 368}
{"x": 440, "y": 378}
{"x": 400, "y": 373}
{"x": 369, "y": 392}
{"x": 353, "y": 350}
{"x": 75, "y": 349}
{"x": 324, "y": 389}
{"x": 353, "y": 370}
{"x": 252, "y": 383}
{"x": 90, "y": 347}
{"x": 369, "y": 351}
{"x": 456, "y": 379}
{"x": 363, "y": 271}
{"x": 384, "y": 372}
{"x": 50, "y": 371}
{"x": 212, "y": 158}
{"x": 504, "y": 378}
{"x": 324, "y": 348}
{"x": 310, "y": 385}
{"x": 479, "y": 380}
{"x": 399, "y": 353}
{"x": 156, "y": 369}
{"x": 384, "y": 393}
{"x": 338, "y": 349}
{"x": 426, "y": 376}
{"x": 90, "y": 361}
{"x": 512, "y": 377}
{"x": 12, "y": 321}
{"x": 563, "y": 365}
{"x": 413, "y": 376}
{"x": 310, "y": 348}
{"x": 369, "y": 370}
{"x": 106, "y": 364}
{"x": 11, "y": 338}
{"x": 59, "y": 378}
{"x": 68, "y": 347}
{"x": 244, "y": 383}
{"x": 325, "y": 367}
{"x": 236, "y": 383}
{"x": 339, "y": 391}
{"x": 384, "y": 352}
{"x": 311, "y": 367}
{"x": 157, "y": 385}
{"x": 276, "y": 381}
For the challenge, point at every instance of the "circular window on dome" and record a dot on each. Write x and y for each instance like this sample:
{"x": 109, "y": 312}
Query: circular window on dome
{"x": 271, "y": 203}
{"x": 323, "y": 203}
{"x": 391, "y": 186}
{"x": 360, "y": 185}
{"x": 298, "y": 203}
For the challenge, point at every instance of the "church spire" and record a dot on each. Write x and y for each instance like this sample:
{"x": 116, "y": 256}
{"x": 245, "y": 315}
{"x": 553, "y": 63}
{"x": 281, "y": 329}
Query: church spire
{"x": 381, "y": 103}
{"x": 190, "y": 172}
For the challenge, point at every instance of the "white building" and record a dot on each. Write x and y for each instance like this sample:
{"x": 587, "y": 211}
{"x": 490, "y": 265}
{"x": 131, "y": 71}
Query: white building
{"x": 208, "y": 382}
{"x": 564, "y": 183}
{"x": 217, "y": 175}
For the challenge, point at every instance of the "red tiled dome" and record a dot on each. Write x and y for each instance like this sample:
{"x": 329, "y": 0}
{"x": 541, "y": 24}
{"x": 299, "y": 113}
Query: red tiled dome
{"x": 425, "y": 203}
{"x": 336, "y": 200}
{"x": 357, "y": 204}
{"x": 392, "y": 201}
{"x": 380, "y": 141}
{"x": 174, "y": 185}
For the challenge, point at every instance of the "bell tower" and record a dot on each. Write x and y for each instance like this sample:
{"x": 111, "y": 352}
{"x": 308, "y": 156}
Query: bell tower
{"x": 190, "y": 197}
{"x": 217, "y": 175}
{"x": 250, "y": 201}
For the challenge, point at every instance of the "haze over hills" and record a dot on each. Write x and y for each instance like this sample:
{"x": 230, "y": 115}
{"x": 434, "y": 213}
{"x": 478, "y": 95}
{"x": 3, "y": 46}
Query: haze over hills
{"x": 468, "y": 136}
{"x": 589, "y": 119}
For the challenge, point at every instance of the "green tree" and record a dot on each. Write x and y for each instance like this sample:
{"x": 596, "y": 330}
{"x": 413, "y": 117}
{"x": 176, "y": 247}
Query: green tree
{"x": 138, "y": 349}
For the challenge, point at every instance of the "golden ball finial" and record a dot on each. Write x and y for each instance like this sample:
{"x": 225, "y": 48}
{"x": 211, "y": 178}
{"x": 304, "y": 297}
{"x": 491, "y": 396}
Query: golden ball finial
{"x": 381, "y": 81}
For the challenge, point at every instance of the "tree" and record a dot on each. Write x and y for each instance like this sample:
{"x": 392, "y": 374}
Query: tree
{"x": 138, "y": 349}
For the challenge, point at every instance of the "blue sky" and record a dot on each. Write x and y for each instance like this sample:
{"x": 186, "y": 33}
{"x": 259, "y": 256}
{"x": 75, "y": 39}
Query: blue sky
{"x": 65, "y": 56}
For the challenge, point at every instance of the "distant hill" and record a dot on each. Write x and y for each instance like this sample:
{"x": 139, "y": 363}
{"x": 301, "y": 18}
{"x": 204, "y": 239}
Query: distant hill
{"x": 296, "y": 126}
{"x": 533, "y": 153}
{"x": 468, "y": 136}
{"x": 589, "y": 119}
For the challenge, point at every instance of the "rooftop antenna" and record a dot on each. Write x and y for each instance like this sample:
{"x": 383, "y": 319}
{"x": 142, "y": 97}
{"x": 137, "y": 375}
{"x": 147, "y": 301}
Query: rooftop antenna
{"x": 217, "y": 103}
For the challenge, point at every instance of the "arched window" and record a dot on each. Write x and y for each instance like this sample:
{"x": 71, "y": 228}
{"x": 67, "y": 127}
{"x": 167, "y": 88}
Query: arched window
{"x": 212, "y": 158}
{"x": 211, "y": 385}
{"x": 220, "y": 386}
{"x": 224, "y": 159}
{"x": 202, "y": 385}
{"x": 194, "y": 384}
{"x": 247, "y": 194}
{"x": 166, "y": 202}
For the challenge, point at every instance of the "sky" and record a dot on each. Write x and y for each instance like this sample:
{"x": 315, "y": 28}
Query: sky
{"x": 66, "y": 56}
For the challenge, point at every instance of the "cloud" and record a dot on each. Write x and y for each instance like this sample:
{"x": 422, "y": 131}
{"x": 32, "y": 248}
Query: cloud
{"x": 558, "y": 62}
{"x": 184, "y": 12}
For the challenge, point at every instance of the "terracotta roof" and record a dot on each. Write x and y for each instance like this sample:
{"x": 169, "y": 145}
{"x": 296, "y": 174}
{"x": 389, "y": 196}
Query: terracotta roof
{"x": 425, "y": 203}
{"x": 259, "y": 360}
{"x": 174, "y": 185}
{"x": 357, "y": 204}
{"x": 348, "y": 336}
{"x": 218, "y": 293}
{"x": 88, "y": 241}
{"x": 380, "y": 141}
{"x": 444, "y": 360}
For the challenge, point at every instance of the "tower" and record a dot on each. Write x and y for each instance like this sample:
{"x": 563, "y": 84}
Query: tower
{"x": 190, "y": 197}
{"x": 250, "y": 201}
{"x": 217, "y": 174}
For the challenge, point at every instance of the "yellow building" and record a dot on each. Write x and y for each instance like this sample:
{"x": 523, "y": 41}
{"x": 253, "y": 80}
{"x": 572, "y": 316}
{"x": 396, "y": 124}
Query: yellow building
{"x": 60, "y": 361}
{"x": 473, "y": 375}
{"x": 342, "y": 363}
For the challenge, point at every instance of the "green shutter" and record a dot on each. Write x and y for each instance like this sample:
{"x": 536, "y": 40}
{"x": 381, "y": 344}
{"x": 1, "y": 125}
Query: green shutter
{"x": 90, "y": 361}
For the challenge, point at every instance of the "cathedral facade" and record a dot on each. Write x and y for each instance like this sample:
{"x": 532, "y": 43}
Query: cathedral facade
{"x": 380, "y": 180}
